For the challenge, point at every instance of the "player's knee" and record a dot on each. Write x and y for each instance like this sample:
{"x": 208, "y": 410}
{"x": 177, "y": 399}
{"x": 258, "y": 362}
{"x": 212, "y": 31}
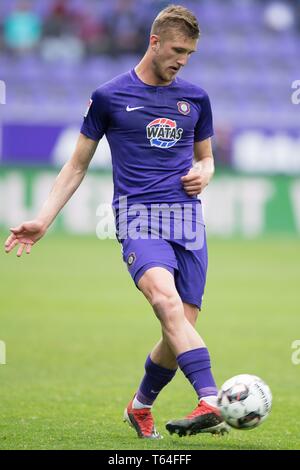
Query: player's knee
{"x": 168, "y": 307}
{"x": 163, "y": 302}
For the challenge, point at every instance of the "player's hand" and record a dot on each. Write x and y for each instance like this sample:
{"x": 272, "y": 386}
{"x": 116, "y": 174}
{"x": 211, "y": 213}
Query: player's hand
{"x": 25, "y": 235}
{"x": 195, "y": 181}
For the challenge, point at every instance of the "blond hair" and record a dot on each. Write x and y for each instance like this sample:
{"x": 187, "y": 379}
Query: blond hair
{"x": 176, "y": 17}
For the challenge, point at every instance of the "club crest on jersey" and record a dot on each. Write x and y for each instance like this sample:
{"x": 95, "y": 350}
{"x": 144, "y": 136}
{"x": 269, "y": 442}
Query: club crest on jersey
{"x": 131, "y": 259}
{"x": 184, "y": 107}
{"x": 163, "y": 133}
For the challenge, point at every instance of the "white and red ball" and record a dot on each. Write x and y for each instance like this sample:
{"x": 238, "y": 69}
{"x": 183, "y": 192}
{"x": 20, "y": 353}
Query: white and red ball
{"x": 245, "y": 401}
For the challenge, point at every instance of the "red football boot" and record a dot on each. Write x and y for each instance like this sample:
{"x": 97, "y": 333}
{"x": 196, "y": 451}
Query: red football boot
{"x": 142, "y": 421}
{"x": 204, "y": 418}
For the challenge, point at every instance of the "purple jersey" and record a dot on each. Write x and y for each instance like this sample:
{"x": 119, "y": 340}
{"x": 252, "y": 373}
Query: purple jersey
{"x": 151, "y": 131}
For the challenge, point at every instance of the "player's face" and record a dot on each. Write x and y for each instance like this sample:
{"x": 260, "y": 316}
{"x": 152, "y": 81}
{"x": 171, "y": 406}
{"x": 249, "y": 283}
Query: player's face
{"x": 171, "y": 54}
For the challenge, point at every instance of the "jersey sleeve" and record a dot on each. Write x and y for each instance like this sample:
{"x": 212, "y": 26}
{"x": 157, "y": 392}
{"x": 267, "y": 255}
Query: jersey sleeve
{"x": 95, "y": 120}
{"x": 204, "y": 127}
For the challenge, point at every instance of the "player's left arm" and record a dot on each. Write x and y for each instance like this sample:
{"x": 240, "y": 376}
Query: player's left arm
{"x": 203, "y": 170}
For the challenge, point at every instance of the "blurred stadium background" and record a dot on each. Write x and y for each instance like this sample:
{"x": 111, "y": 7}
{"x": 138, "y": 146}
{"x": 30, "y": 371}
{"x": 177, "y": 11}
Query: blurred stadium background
{"x": 53, "y": 54}
{"x": 71, "y": 293}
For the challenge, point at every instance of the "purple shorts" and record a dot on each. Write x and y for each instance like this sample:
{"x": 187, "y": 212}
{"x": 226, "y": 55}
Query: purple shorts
{"x": 187, "y": 266}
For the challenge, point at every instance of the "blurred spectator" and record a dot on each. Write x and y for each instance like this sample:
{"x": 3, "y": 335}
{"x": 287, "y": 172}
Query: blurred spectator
{"x": 22, "y": 28}
{"x": 295, "y": 5}
{"x": 68, "y": 49}
{"x": 60, "y": 19}
{"x": 93, "y": 31}
{"x": 61, "y": 41}
{"x": 125, "y": 30}
{"x": 279, "y": 16}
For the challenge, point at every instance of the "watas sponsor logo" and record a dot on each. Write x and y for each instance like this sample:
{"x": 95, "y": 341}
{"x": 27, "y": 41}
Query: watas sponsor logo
{"x": 163, "y": 133}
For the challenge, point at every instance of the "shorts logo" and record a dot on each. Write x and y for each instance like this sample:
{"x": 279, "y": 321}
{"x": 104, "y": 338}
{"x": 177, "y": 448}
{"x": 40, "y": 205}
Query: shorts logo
{"x": 184, "y": 107}
{"x": 163, "y": 133}
{"x": 131, "y": 259}
{"x": 88, "y": 108}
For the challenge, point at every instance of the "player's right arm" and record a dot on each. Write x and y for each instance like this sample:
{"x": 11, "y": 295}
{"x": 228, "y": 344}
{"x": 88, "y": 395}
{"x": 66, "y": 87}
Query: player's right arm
{"x": 66, "y": 183}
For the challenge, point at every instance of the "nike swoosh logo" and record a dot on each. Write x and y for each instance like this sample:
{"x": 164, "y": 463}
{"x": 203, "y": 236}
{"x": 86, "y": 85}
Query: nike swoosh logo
{"x": 128, "y": 109}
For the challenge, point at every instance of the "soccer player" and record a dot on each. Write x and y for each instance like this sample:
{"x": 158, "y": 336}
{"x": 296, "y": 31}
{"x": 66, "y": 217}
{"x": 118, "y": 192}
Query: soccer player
{"x": 156, "y": 124}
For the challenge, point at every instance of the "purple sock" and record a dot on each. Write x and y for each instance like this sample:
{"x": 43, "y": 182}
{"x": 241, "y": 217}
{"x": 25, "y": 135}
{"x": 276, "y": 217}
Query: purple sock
{"x": 195, "y": 365}
{"x": 154, "y": 381}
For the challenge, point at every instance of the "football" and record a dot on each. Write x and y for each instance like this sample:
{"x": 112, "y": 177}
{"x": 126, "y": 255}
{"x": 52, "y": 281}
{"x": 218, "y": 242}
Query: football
{"x": 245, "y": 401}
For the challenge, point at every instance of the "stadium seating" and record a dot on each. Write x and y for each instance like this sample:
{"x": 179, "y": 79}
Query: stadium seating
{"x": 242, "y": 63}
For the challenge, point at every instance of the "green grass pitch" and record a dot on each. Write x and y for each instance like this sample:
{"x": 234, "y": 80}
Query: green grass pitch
{"x": 77, "y": 332}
